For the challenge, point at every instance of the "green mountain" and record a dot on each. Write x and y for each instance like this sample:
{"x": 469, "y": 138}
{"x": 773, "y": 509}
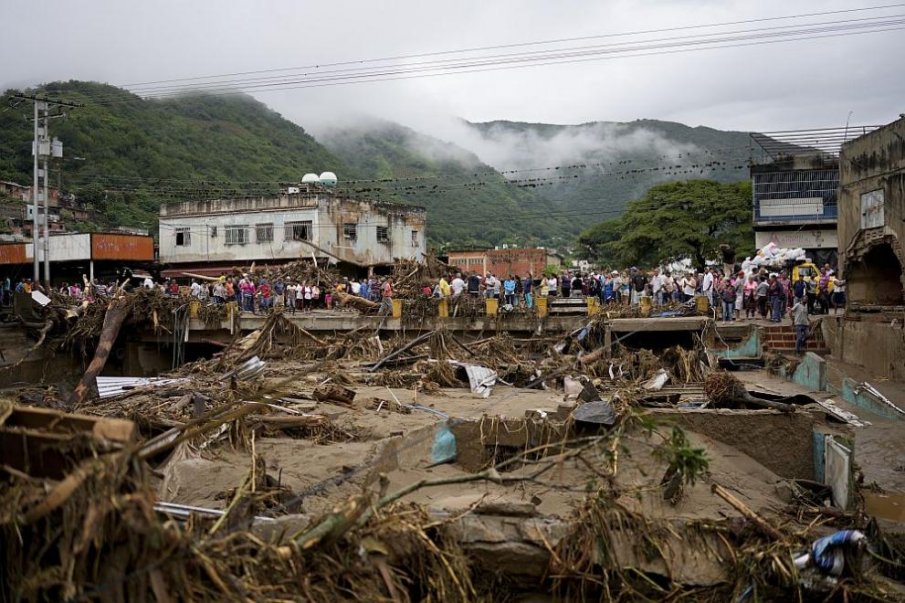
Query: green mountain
{"x": 125, "y": 155}
{"x": 589, "y": 172}
{"x": 468, "y": 202}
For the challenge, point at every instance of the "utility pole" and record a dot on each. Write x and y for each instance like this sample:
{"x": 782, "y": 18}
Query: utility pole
{"x": 43, "y": 147}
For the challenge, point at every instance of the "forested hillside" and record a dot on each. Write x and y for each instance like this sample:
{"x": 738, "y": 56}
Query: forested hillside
{"x": 126, "y": 155}
{"x": 469, "y": 203}
{"x": 589, "y": 172}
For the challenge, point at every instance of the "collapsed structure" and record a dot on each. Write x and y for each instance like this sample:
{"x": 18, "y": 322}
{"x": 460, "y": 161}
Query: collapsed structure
{"x": 871, "y": 235}
{"x": 423, "y": 460}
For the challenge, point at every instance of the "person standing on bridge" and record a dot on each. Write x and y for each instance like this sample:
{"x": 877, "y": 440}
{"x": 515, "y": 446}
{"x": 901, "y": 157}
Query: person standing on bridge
{"x": 799, "y": 314}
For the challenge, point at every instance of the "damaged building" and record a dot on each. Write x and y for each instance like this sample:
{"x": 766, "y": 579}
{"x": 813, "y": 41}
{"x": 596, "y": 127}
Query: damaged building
{"x": 795, "y": 203}
{"x": 871, "y": 236}
{"x": 211, "y": 236}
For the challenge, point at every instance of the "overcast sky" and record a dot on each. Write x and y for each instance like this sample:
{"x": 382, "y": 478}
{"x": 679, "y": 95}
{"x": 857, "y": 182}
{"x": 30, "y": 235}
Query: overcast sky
{"x": 811, "y": 83}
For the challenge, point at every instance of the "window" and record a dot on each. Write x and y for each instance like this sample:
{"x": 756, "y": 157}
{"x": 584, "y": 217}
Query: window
{"x": 183, "y": 237}
{"x": 414, "y": 238}
{"x": 213, "y": 232}
{"x": 264, "y": 233}
{"x": 383, "y": 234}
{"x": 236, "y": 235}
{"x": 350, "y": 231}
{"x": 297, "y": 231}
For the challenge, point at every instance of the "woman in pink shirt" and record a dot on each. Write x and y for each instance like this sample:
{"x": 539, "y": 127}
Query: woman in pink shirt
{"x": 750, "y": 297}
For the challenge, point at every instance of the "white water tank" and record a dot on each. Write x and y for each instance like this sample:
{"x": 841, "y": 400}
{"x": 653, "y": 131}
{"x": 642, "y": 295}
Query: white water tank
{"x": 310, "y": 179}
{"x": 328, "y": 179}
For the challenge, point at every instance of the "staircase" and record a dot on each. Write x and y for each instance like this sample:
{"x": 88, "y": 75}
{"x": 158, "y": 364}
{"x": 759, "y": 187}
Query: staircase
{"x": 567, "y": 306}
{"x": 781, "y": 338}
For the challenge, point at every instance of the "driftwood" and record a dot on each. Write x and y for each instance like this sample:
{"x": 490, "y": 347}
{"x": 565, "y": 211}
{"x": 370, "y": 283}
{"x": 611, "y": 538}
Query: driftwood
{"x": 334, "y": 393}
{"x": 401, "y": 350}
{"x": 762, "y": 524}
{"x": 117, "y": 310}
{"x": 355, "y": 301}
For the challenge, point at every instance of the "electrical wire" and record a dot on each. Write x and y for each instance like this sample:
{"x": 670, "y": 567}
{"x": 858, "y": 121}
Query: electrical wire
{"x": 559, "y": 56}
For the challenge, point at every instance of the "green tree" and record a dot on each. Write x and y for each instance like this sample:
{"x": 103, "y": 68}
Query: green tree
{"x": 673, "y": 221}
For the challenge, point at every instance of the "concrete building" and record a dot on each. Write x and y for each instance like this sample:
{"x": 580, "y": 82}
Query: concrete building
{"x": 872, "y": 217}
{"x": 871, "y": 239}
{"x": 208, "y": 237}
{"x": 795, "y": 204}
{"x": 72, "y": 255}
{"x": 502, "y": 262}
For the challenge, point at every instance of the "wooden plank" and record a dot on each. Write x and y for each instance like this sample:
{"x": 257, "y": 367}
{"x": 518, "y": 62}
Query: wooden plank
{"x": 54, "y": 421}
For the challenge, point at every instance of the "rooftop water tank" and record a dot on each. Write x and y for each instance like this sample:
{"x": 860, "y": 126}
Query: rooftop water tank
{"x": 310, "y": 179}
{"x": 328, "y": 179}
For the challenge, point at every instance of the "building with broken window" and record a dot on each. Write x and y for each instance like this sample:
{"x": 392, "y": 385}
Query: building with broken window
{"x": 872, "y": 217}
{"x": 213, "y": 236}
{"x": 795, "y": 204}
{"x": 871, "y": 239}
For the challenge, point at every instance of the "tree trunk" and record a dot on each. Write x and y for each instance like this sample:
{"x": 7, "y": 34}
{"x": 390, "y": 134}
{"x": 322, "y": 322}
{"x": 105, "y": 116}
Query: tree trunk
{"x": 113, "y": 321}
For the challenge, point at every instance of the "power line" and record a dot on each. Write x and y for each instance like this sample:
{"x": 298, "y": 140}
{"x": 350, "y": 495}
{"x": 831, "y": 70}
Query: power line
{"x": 554, "y": 57}
{"x": 524, "y": 44}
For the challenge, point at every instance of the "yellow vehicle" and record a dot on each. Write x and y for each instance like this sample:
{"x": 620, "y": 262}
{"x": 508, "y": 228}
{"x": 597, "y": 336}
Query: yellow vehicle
{"x": 807, "y": 270}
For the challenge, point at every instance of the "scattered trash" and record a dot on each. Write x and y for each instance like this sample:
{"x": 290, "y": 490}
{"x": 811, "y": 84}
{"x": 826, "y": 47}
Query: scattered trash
{"x": 657, "y": 382}
{"x": 598, "y": 413}
{"x": 444, "y": 448}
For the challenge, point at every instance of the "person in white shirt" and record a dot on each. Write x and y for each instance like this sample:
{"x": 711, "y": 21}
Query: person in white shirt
{"x": 196, "y": 289}
{"x": 457, "y": 285}
{"x": 707, "y": 285}
{"x": 689, "y": 284}
{"x": 356, "y": 287}
{"x": 656, "y": 287}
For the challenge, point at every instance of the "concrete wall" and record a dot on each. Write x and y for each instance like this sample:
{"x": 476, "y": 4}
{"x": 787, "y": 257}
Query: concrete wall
{"x": 867, "y": 341}
{"x": 873, "y": 164}
{"x": 327, "y": 215}
{"x": 783, "y": 443}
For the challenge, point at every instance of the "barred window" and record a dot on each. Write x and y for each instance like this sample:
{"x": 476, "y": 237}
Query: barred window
{"x": 264, "y": 233}
{"x": 297, "y": 231}
{"x": 236, "y": 235}
{"x": 350, "y": 231}
{"x": 383, "y": 234}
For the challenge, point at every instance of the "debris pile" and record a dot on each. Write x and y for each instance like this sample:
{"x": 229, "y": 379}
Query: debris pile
{"x": 429, "y": 465}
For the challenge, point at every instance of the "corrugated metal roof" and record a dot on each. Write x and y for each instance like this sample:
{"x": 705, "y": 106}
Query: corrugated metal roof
{"x": 111, "y": 387}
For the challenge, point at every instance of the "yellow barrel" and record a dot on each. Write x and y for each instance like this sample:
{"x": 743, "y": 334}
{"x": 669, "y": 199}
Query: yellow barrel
{"x": 443, "y": 308}
{"x": 492, "y": 305}
{"x": 397, "y": 308}
{"x": 646, "y": 305}
{"x": 194, "y": 308}
{"x": 541, "y": 306}
{"x": 593, "y": 305}
{"x": 702, "y": 304}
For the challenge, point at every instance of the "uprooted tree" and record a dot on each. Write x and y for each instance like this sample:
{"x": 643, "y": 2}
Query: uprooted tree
{"x": 674, "y": 221}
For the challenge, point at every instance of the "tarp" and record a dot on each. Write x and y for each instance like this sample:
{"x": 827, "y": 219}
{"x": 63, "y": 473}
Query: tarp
{"x": 480, "y": 378}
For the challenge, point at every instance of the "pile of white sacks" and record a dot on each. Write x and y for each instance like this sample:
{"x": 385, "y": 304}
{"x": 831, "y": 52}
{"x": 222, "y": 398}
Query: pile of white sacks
{"x": 772, "y": 256}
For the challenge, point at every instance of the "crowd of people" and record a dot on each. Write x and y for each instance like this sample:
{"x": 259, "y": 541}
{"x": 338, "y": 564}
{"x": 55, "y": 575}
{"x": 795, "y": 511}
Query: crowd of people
{"x": 261, "y": 295}
{"x": 732, "y": 294}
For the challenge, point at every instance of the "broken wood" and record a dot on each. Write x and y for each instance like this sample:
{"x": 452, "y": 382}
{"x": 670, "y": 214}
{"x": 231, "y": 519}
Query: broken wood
{"x": 402, "y": 350}
{"x": 760, "y": 523}
{"x": 355, "y": 301}
{"x": 117, "y": 310}
{"x": 334, "y": 393}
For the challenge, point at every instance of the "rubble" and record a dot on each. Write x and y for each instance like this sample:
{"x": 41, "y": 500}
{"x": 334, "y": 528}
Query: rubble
{"x": 426, "y": 465}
